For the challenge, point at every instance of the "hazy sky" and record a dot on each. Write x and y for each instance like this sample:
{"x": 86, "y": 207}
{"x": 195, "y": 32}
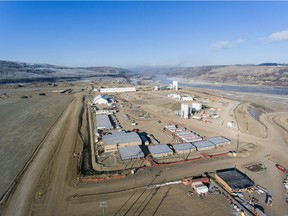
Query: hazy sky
{"x": 144, "y": 33}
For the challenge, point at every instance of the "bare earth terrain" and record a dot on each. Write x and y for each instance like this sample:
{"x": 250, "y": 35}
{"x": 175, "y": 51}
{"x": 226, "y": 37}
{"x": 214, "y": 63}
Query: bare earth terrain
{"x": 49, "y": 185}
{"x": 24, "y": 124}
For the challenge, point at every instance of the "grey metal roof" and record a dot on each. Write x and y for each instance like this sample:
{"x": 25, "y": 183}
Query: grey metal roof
{"x": 131, "y": 152}
{"x": 103, "y": 121}
{"x": 160, "y": 149}
{"x": 184, "y": 147}
{"x": 203, "y": 144}
{"x": 219, "y": 140}
{"x": 182, "y": 133}
{"x": 121, "y": 138}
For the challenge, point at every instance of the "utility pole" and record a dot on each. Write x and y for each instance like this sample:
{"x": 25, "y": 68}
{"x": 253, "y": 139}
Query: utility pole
{"x": 103, "y": 205}
{"x": 237, "y": 142}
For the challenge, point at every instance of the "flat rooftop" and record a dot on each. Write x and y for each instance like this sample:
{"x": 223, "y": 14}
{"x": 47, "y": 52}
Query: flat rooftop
{"x": 184, "y": 147}
{"x": 103, "y": 121}
{"x": 235, "y": 178}
{"x": 203, "y": 144}
{"x": 160, "y": 149}
{"x": 131, "y": 152}
{"x": 121, "y": 137}
{"x": 219, "y": 140}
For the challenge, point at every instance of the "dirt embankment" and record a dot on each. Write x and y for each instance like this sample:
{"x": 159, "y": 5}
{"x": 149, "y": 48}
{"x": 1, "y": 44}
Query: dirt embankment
{"x": 248, "y": 121}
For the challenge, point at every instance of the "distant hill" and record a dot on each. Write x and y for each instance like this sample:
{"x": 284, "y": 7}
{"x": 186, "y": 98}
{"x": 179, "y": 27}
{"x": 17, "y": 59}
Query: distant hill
{"x": 24, "y": 72}
{"x": 263, "y": 74}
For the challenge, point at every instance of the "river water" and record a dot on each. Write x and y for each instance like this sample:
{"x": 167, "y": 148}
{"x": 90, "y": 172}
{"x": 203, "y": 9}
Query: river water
{"x": 248, "y": 89}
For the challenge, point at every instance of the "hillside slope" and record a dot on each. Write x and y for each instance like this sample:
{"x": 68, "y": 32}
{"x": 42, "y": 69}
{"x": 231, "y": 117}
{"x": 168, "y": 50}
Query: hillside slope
{"x": 24, "y": 72}
{"x": 242, "y": 74}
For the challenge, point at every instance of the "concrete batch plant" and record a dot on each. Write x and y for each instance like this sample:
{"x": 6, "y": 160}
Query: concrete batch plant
{"x": 184, "y": 110}
{"x": 175, "y": 85}
{"x": 119, "y": 139}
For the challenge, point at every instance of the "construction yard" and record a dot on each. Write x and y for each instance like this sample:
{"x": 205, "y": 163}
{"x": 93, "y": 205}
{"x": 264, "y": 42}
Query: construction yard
{"x": 51, "y": 183}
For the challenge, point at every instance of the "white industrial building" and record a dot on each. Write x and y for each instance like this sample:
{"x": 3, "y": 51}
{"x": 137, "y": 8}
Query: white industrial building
{"x": 186, "y": 98}
{"x": 175, "y": 85}
{"x": 120, "y": 139}
{"x": 184, "y": 148}
{"x": 219, "y": 141}
{"x": 184, "y": 110}
{"x": 116, "y": 90}
{"x": 199, "y": 187}
{"x": 103, "y": 122}
{"x": 196, "y": 107}
{"x": 101, "y": 99}
{"x": 204, "y": 145}
{"x": 174, "y": 96}
{"x": 131, "y": 152}
{"x": 161, "y": 150}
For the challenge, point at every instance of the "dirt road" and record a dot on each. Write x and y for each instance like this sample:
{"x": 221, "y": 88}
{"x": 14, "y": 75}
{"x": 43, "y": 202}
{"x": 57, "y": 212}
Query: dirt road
{"x": 54, "y": 156}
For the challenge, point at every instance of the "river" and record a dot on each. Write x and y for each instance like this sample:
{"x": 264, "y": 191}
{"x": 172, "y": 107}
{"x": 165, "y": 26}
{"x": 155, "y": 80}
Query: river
{"x": 235, "y": 88}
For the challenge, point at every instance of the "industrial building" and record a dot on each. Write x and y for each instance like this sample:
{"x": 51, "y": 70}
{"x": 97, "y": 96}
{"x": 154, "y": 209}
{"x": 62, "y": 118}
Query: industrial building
{"x": 101, "y": 99}
{"x": 219, "y": 141}
{"x": 120, "y": 139}
{"x": 196, "y": 107}
{"x": 174, "y": 128}
{"x": 184, "y": 148}
{"x": 103, "y": 122}
{"x": 188, "y": 136}
{"x": 144, "y": 139}
{"x": 116, "y": 90}
{"x": 233, "y": 180}
{"x": 131, "y": 152}
{"x": 175, "y": 85}
{"x": 161, "y": 150}
{"x": 204, "y": 145}
{"x": 174, "y": 96}
{"x": 199, "y": 187}
{"x": 186, "y": 98}
{"x": 184, "y": 110}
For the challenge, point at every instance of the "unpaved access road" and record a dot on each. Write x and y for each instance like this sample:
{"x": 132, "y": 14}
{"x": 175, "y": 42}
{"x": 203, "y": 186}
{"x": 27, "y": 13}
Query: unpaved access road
{"x": 53, "y": 156}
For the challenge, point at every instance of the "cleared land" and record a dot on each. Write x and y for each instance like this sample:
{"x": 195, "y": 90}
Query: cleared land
{"x": 50, "y": 185}
{"x": 24, "y": 124}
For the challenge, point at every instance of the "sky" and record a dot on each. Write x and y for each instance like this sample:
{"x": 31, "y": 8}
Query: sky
{"x": 130, "y": 34}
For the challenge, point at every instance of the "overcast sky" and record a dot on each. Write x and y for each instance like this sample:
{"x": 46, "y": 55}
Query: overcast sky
{"x": 144, "y": 33}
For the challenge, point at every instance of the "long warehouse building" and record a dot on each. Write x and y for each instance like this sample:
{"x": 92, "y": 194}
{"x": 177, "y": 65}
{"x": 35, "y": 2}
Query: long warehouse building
{"x": 115, "y": 90}
{"x": 103, "y": 122}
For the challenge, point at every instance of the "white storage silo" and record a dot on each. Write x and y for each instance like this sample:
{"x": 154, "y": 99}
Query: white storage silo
{"x": 185, "y": 110}
{"x": 175, "y": 85}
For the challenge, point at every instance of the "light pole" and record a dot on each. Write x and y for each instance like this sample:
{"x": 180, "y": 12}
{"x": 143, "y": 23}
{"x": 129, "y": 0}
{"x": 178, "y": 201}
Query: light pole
{"x": 103, "y": 205}
{"x": 237, "y": 142}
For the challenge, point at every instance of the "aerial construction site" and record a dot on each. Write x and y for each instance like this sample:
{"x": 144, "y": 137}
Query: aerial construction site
{"x": 141, "y": 150}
